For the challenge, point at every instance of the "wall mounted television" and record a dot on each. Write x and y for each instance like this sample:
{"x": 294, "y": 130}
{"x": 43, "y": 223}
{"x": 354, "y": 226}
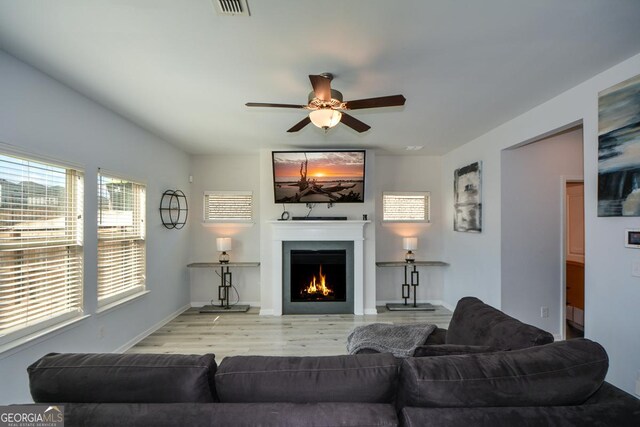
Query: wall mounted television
{"x": 318, "y": 176}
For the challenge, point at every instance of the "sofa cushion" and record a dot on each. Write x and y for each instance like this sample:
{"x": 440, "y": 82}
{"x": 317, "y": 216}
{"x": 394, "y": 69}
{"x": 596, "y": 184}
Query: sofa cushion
{"x": 231, "y": 414}
{"x": 123, "y": 378}
{"x": 476, "y": 323}
{"x": 562, "y": 373}
{"x": 450, "y": 350}
{"x": 612, "y": 415}
{"x": 368, "y": 378}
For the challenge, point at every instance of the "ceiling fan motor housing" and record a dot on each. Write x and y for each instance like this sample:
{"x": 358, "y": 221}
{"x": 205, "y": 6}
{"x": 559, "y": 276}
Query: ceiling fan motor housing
{"x": 336, "y": 100}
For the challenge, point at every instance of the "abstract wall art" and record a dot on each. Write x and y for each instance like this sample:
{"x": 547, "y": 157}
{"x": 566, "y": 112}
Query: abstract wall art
{"x": 467, "y": 182}
{"x": 619, "y": 149}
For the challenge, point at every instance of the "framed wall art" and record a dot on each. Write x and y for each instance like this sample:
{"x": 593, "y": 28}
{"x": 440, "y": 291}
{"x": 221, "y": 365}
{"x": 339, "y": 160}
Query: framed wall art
{"x": 619, "y": 149}
{"x": 467, "y": 183}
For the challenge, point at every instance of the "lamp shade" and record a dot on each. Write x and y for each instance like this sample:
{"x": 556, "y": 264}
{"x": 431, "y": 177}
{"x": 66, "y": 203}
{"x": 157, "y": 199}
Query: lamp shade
{"x": 410, "y": 243}
{"x": 223, "y": 244}
{"x": 325, "y": 117}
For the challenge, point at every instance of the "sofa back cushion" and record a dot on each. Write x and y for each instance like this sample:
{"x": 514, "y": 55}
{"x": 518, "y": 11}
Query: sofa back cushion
{"x": 476, "y": 323}
{"x": 123, "y": 378}
{"x": 366, "y": 378}
{"x": 562, "y": 373}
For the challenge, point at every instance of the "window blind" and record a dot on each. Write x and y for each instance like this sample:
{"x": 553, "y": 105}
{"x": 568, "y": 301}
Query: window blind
{"x": 228, "y": 206}
{"x": 121, "y": 238}
{"x": 41, "y": 257}
{"x": 405, "y": 206}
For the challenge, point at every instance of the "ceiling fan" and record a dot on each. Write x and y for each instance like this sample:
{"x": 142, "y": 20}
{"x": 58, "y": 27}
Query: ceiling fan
{"x": 327, "y": 107}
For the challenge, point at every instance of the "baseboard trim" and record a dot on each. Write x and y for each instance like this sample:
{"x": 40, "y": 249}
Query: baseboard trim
{"x": 369, "y": 311}
{"x": 266, "y": 312}
{"x": 151, "y": 330}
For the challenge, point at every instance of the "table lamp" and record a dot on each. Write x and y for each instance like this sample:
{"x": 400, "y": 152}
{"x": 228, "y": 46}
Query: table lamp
{"x": 410, "y": 244}
{"x": 223, "y": 244}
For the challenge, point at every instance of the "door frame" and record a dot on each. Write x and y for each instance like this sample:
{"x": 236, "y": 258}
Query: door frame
{"x": 564, "y": 180}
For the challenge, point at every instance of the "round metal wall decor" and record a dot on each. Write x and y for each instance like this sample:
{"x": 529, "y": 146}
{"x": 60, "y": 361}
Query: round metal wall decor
{"x": 173, "y": 209}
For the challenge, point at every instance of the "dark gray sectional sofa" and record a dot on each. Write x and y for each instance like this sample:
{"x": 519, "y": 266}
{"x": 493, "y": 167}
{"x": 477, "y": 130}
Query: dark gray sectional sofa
{"x": 486, "y": 369}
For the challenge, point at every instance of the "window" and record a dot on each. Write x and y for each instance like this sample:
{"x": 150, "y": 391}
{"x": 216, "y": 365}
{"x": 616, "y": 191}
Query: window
{"x": 40, "y": 245}
{"x": 405, "y": 207}
{"x": 121, "y": 238}
{"x": 229, "y": 206}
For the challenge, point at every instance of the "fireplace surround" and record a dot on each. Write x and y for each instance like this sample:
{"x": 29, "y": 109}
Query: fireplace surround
{"x": 317, "y": 231}
{"x": 317, "y": 277}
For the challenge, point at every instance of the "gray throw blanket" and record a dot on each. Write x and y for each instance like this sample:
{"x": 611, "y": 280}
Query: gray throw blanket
{"x": 400, "y": 340}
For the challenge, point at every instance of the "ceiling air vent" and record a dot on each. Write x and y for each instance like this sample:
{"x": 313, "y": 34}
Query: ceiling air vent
{"x": 232, "y": 7}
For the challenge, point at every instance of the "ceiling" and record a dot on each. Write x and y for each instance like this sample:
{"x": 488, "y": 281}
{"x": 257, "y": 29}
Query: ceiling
{"x": 184, "y": 72}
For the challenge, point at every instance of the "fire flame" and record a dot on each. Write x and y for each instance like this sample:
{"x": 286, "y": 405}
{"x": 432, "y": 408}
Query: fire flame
{"x": 318, "y": 286}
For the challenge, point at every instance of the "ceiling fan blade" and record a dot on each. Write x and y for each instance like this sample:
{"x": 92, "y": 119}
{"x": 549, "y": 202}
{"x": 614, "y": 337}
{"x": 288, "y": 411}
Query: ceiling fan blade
{"x": 321, "y": 87}
{"x": 266, "y": 104}
{"x": 354, "y": 123}
{"x": 383, "y": 101}
{"x": 302, "y": 123}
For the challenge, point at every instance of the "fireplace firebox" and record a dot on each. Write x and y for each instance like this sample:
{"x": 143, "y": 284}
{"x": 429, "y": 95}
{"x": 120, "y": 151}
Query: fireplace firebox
{"x": 317, "y": 277}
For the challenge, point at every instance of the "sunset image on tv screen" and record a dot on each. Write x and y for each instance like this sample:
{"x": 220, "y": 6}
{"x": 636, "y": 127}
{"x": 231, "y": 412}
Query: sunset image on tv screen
{"x": 315, "y": 176}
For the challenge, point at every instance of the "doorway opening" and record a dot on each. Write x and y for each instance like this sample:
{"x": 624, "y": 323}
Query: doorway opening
{"x": 533, "y": 254}
{"x": 573, "y": 203}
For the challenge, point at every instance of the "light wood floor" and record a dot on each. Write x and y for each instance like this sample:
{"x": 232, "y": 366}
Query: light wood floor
{"x": 231, "y": 334}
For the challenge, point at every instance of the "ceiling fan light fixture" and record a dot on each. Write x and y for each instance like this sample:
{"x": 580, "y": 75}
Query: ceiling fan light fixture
{"x": 325, "y": 118}
{"x": 326, "y": 106}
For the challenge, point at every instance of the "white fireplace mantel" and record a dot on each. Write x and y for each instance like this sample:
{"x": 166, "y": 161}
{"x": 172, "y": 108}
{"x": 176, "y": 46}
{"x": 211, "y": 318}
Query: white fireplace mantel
{"x": 284, "y": 231}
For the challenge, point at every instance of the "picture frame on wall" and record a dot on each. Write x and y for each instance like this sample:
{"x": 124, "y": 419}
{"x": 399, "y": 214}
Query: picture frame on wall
{"x": 467, "y": 193}
{"x": 619, "y": 149}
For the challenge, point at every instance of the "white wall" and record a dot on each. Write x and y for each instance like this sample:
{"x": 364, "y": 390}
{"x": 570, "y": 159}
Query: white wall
{"x": 224, "y": 173}
{"x": 40, "y": 116}
{"x": 409, "y": 173}
{"x": 612, "y": 295}
{"x": 532, "y": 226}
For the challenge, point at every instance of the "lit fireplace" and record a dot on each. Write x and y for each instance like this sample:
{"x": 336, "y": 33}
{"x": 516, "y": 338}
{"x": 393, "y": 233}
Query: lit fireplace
{"x": 318, "y": 275}
{"x": 318, "y": 286}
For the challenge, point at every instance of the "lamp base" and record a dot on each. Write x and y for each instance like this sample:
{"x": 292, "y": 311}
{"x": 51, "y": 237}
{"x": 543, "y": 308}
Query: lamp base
{"x": 410, "y": 257}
